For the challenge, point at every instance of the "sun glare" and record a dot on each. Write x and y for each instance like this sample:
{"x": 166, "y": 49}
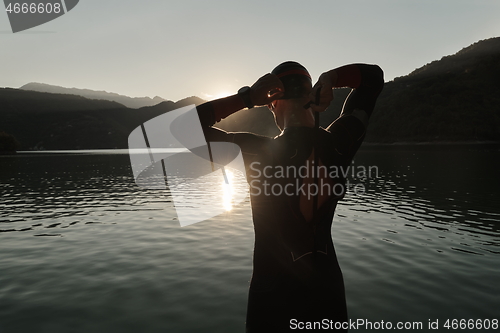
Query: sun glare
{"x": 228, "y": 191}
{"x": 221, "y": 95}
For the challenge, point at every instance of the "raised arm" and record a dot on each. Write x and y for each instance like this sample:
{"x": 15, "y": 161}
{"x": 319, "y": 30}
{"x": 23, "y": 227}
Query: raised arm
{"x": 265, "y": 90}
{"x": 366, "y": 82}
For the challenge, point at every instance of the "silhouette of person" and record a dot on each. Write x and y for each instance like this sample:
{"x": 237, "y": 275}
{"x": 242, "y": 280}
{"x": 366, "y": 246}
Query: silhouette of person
{"x": 296, "y": 276}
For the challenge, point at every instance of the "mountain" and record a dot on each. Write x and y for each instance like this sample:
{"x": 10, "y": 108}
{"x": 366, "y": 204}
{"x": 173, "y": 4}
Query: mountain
{"x": 456, "y": 98}
{"x": 130, "y": 102}
{"x": 59, "y": 121}
{"x": 464, "y": 60}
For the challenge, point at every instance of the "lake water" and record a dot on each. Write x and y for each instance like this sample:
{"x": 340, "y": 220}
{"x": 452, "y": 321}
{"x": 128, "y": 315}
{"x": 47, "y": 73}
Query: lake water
{"x": 83, "y": 249}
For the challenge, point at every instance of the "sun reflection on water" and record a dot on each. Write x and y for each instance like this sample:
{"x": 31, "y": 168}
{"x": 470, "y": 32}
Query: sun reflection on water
{"x": 228, "y": 191}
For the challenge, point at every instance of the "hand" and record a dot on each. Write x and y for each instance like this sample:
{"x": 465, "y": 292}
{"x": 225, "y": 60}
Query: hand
{"x": 325, "y": 85}
{"x": 266, "y": 90}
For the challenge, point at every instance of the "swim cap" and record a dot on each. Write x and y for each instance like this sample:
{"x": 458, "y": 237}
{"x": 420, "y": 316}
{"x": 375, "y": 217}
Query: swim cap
{"x": 295, "y": 78}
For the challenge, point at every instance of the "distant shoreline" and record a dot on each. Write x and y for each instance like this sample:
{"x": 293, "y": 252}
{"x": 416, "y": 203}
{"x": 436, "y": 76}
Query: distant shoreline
{"x": 430, "y": 143}
{"x": 365, "y": 144}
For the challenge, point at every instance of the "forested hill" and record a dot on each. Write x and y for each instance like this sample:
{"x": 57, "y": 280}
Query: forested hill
{"x": 456, "y": 98}
{"x": 130, "y": 102}
{"x": 453, "y": 99}
{"x": 58, "y": 121}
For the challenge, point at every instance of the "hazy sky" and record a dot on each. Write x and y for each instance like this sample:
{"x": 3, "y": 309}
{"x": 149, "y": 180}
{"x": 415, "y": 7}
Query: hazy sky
{"x": 176, "y": 49}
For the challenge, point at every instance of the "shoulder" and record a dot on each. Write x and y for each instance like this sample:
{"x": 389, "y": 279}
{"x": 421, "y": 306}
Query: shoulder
{"x": 249, "y": 143}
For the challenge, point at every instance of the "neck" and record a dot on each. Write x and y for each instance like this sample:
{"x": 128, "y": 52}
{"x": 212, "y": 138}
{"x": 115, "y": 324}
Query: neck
{"x": 295, "y": 115}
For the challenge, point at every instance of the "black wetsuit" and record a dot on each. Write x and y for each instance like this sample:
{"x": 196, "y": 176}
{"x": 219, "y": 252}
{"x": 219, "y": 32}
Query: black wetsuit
{"x": 296, "y": 274}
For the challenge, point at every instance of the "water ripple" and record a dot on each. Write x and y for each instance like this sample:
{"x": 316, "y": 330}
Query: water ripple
{"x": 81, "y": 241}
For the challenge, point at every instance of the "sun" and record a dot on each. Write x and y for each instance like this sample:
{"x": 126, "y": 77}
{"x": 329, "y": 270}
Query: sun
{"x": 222, "y": 95}
{"x": 228, "y": 191}
{"x": 217, "y": 93}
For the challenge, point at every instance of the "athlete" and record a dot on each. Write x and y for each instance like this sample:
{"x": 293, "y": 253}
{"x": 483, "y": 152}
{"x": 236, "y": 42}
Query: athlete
{"x": 296, "y": 277}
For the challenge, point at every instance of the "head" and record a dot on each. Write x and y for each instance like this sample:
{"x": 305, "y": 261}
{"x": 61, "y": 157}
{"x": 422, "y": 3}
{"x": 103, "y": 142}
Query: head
{"x": 298, "y": 84}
